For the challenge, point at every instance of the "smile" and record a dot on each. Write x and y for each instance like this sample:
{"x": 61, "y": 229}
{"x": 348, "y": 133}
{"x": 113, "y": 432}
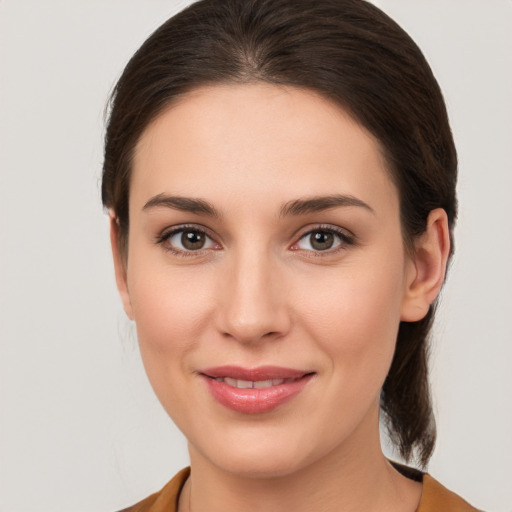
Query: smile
{"x": 254, "y": 391}
{"x": 250, "y": 384}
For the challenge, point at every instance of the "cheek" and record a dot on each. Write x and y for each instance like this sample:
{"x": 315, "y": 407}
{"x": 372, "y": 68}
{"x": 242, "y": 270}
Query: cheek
{"x": 168, "y": 305}
{"x": 171, "y": 309}
{"x": 355, "y": 318}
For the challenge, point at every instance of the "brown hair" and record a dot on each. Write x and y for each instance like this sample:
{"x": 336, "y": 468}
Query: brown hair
{"x": 351, "y": 53}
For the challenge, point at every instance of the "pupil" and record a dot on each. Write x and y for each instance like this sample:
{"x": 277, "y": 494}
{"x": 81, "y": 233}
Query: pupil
{"x": 322, "y": 240}
{"x": 192, "y": 240}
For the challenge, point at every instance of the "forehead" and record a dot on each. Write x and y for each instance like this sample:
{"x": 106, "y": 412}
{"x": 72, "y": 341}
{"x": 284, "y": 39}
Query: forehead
{"x": 254, "y": 141}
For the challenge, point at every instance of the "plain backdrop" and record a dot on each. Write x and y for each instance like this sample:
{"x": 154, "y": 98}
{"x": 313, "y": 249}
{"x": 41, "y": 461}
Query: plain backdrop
{"x": 80, "y": 429}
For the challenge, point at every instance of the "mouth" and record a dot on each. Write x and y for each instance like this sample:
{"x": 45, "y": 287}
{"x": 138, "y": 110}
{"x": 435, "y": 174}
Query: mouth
{"x": 253, "y": 391}
{"x": 253, "y": 384}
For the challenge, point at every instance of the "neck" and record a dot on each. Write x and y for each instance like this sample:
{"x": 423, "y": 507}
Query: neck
{"x": 354, "y": 476}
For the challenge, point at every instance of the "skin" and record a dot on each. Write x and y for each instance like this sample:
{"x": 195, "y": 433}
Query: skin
{"x": 259, "y": 293}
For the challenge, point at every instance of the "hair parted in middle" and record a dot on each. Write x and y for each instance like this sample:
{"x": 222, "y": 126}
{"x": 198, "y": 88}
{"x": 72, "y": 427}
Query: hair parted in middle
{"x": 349, "y": 52}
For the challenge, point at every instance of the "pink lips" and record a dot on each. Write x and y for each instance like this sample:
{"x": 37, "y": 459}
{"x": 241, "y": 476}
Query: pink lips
{"x": 257, "y": 390}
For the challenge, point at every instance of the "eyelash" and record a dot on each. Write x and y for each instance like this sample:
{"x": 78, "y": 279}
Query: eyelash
{"x": 345, "y": 239}
{"x": 166, "y": 235}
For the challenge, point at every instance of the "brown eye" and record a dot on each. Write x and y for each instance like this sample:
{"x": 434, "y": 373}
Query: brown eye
{"x": 188, "y": 240}
{"x": 192, "y": 240}
{"x": 321, "y": 240}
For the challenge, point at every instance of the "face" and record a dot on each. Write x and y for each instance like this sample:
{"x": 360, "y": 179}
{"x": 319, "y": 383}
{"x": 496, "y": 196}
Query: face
{"x": 266, "y": 274}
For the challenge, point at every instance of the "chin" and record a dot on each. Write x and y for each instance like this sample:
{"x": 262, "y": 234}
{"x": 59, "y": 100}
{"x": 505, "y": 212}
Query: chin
{"x": 259, "y": 464}
{"x": 261, "y": 453}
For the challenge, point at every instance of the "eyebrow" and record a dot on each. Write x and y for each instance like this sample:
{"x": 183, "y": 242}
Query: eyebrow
{"x": 296, "y": 207}
{"x": 184, "y": 204}
{"x": 321, "y": 203}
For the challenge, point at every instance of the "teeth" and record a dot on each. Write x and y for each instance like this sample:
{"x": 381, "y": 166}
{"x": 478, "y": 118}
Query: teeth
{"x": 248, "y": 384}
{"x": 263, "y": 383}
{"x": 244, "y": 384}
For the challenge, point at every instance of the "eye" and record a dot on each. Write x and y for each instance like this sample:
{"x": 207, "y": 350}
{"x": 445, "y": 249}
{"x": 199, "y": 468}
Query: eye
{"x": 185, "y": 240}
{"x": 322, "y": 239}
{"x": 319, "y": 240}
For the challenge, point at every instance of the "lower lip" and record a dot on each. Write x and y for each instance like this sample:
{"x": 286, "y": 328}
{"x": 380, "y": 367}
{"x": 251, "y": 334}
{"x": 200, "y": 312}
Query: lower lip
{"x": 255, "y": 400}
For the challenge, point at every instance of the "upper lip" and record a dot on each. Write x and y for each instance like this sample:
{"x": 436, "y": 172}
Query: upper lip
{"x": 254, "y": 374}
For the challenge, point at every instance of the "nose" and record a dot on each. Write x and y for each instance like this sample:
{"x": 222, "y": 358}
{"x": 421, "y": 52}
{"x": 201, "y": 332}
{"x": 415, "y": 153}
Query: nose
{"x": 253, "y": 299}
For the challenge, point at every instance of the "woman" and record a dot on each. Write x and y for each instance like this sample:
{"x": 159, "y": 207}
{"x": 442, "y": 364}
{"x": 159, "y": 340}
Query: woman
{"x": 280, "y": 177}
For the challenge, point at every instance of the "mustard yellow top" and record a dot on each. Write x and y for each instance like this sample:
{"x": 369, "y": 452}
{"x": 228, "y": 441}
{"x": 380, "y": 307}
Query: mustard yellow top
{"x": 434, "y": 498}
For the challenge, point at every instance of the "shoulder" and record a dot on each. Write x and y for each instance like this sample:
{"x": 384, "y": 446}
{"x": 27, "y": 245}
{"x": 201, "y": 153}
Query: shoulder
{"x": 164, "y": 500}
{"x": 437, "y": 498}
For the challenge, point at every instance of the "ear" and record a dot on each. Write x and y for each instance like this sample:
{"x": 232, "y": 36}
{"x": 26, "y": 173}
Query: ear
{"x": 427, "y": 267}
{"x": 120, "y": 264}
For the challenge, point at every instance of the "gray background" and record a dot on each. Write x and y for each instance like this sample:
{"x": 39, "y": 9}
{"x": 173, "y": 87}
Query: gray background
{"x": 80, "y": 429}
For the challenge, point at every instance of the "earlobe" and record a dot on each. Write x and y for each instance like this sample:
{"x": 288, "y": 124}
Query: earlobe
{"x": 427, "y": 267}
{"x": 119, "y": 266}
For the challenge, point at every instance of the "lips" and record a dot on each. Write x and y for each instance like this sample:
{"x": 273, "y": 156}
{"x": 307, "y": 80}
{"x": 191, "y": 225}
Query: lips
{"x": 257, "y": 390}
{"x": 249, "y": 384}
